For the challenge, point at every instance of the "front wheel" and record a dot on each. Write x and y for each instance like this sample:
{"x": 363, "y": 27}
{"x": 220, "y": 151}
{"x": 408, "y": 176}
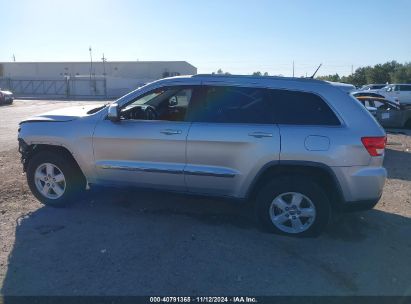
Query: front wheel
{"x": 293, "y": 206}
{"x": 54, "y": 179}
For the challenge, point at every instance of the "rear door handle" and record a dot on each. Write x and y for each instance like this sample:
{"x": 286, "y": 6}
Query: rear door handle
{"x": 260, "y": 134}
{"x": 170, "y": 132}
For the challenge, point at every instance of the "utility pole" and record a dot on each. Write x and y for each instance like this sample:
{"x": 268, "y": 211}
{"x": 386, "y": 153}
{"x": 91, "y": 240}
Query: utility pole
{"x": 104, "y": 59}
{"x": 352, "y": 69}
{"x": 293, "y": 68}
{"x": 91, "y": 62}
{"x": 14, "y": 58}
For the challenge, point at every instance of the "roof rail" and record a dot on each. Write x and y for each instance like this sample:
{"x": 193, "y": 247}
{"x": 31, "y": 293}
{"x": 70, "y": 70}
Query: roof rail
{"x": 261, "y": 77}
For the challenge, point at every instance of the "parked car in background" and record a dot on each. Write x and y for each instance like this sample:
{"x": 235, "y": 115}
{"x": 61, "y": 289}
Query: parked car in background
{"x": 388, "y": 113}
{"x": 400, "y": 93}
{"x": 372, "y": 87}
{"x": 6, "y": 97}
{"x": 369, "y": 94}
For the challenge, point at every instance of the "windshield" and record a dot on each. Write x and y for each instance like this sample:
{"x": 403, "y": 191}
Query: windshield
{"x": 147, "y": 98}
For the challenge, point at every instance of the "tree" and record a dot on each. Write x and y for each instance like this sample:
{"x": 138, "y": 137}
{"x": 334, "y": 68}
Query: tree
{"x": 380, "y": 73}
{"x": 220, "y": 72}
{"x": 257, "y": 73}
{"x": 335, "y": 78}
{"x": 358, "y": 78}
{"x": 401, "y": 74}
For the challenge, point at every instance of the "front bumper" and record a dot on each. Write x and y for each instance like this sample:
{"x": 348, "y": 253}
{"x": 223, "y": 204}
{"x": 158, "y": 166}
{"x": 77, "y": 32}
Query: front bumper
{"x": 25, "y": 151}
{"x": 7, "y": 98}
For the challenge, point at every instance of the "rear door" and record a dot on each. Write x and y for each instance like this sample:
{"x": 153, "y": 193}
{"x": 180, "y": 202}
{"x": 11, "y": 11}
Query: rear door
{"x": 231, "y": 137}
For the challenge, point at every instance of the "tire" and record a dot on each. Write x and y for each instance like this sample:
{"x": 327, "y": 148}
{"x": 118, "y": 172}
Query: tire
{"x": 310, "y": 216}
{"x": 60, "y": 192}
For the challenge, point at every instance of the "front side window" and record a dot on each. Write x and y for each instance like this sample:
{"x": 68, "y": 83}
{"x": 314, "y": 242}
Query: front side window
{"x": 301, "y": 108}
{"x": 168, "y": 103}
{"x": 222, "y": 104}
{"x": 389, "y": 88}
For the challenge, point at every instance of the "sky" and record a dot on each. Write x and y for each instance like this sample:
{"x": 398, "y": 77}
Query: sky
{"x": 236, "y": 36}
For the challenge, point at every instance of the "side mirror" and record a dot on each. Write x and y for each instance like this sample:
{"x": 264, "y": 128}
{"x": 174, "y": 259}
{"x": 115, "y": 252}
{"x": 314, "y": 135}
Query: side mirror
{"x": 113, "y": 112}
{"x": 173, "y": 101}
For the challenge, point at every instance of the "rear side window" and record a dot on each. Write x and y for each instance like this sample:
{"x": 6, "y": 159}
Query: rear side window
{"x": 405, "y": 87}
{"x": 300, "y": 108}
{"x": 232, "y": 105}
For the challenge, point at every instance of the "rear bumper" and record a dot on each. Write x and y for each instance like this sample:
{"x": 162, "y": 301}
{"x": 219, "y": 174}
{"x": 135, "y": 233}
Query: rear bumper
{"x": 361, "y": 186}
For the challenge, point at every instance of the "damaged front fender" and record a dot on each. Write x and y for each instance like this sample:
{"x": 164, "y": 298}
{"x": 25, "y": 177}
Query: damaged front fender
{"x": 26, "y": 151}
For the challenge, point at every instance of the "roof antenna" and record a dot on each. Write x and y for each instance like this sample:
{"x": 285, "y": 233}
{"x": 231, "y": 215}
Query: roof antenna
{"x": 312, "y": 76}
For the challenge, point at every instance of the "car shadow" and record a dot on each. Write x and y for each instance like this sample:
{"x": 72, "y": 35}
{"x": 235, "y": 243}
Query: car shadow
{"x": 116, "y": 242}
{"x": 398, "y": 164}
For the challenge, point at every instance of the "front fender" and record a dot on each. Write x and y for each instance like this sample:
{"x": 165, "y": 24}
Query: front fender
{"x": 74, "y": 136}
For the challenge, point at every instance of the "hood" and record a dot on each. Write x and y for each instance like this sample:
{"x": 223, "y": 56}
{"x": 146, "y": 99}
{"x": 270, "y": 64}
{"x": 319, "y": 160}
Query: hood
{"x": 61, "y": 115}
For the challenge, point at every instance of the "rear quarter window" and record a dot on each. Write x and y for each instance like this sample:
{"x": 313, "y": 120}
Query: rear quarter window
{"x": 300, "y": 108}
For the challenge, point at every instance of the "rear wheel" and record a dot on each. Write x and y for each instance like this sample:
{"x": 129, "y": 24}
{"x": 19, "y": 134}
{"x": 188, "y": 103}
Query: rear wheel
{"x": 293, "y": 206}
{"x": 54, "y": 178}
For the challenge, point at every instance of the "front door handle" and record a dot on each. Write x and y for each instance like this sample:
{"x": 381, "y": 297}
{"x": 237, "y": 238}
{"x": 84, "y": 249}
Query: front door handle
{"x": 170, "y": 132}
{"x": 260, "y": 134}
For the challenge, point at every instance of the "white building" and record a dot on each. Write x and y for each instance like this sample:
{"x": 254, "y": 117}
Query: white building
{"x": 85, "y": 79}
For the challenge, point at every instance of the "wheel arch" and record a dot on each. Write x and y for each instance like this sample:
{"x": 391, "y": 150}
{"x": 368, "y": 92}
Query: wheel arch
{"x": 28, "y": 151}
{"x": 321, "y": 173}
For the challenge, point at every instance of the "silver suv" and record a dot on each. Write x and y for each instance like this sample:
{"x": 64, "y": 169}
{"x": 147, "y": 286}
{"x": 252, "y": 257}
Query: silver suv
{"x": 296, "y": 148}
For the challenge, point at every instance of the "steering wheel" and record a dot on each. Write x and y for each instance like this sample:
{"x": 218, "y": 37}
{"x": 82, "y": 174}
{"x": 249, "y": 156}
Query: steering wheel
{"x": 151, "y": 113}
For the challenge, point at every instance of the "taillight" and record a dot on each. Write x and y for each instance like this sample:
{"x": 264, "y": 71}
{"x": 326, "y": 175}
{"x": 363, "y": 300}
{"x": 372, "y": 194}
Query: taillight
{"x": 374, "y": 145}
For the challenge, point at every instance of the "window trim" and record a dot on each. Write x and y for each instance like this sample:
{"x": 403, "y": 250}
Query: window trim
{"x": 203, "y": 86}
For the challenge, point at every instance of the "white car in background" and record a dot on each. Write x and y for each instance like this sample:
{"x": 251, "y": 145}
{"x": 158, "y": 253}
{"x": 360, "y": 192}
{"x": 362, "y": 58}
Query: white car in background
{"x": 399, "y": 93}
{"x": 372, "y": 87}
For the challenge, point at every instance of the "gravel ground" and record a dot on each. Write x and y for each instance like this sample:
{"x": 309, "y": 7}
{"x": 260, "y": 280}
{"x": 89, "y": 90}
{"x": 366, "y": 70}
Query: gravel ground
{"x": 114, "y": 242}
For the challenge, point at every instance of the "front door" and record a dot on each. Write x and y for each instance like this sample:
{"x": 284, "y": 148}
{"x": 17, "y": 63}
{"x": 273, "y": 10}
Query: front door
{"x": 147, "y": 146}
